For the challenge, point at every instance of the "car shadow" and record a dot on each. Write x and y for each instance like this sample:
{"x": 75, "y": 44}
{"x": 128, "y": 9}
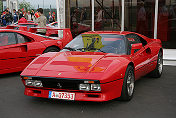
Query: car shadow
{"x": 46, "y": 101}
{"x": 9, "y": 75}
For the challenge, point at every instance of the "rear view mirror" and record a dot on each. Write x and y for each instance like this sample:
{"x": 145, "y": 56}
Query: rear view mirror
{"x": 135, "y": 47}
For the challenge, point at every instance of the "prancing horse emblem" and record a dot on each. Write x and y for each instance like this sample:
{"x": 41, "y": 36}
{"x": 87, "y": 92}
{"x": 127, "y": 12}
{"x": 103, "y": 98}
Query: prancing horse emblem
{"x": 59, "y": 85}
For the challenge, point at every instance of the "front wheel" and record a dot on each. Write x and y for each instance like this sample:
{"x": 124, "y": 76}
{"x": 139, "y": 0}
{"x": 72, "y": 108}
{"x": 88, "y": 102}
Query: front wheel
{"x": 128, "y": 84}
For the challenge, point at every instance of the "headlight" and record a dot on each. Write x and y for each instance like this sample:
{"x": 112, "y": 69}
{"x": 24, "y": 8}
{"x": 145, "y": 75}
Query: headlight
{"x": 38, "y": 83}
{"x": 85, "y": 87}
{"x": 29, "y": 82}
{"x": 95, "y": 87}
{"x": 34, "y": 83}
{"x": 90, "y": 87}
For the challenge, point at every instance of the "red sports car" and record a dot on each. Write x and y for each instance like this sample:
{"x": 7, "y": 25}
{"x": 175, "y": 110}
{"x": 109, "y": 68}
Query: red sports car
{"x": 95, "y": 66}
{"x": 32, "y": 27}
{"x": 18, "y": 48}
{"x": 76, "y": 29}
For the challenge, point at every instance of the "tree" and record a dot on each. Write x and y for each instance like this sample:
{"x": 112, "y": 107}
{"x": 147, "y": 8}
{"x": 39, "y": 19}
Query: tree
{"x": 1, "y": 6}
{"x": 26, "y": 5}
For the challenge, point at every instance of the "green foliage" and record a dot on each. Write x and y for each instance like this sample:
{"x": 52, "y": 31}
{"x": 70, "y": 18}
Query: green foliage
{"x": 26, "y": 5}
{"x": 1, "y": 7}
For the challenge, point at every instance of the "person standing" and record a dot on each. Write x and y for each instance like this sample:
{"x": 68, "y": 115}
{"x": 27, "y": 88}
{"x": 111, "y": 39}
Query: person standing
{"x": 54, "y": 17}
{"x": 29, "y": 16}
{"x": 142, "y": 19}
{"x": 50, "y": 18}
{"x": 15, "y": 16}
{"x": 8, "y": 17}
{"x": 25, "y": 14}
{"x": 3, "y": 19}
{"x": 20, "y": 14}
{"x": 83, "y": 15}
{"x": 41, "y": 21}
{"x": 32, "y": 14}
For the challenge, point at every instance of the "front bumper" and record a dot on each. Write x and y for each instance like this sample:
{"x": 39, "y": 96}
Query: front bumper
{"x": 109, "y": 91}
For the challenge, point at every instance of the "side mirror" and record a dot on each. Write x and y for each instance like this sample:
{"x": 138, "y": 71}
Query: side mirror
{"x": 157, "y": 40}
{"x": 135, "y": 47}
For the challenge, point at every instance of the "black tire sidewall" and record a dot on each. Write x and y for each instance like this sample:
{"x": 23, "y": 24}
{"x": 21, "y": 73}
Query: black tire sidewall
{"x": 155, "y": 73}
{"x": 159, "y": 55}
{"x": 51, "y": 48}
{"x": 124, "y": 93}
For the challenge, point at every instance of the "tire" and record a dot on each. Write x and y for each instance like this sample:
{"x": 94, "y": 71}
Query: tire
{"x": 128, "y": 84}
{"x": 159, "y": 67}
{"x": 51, "y": 49}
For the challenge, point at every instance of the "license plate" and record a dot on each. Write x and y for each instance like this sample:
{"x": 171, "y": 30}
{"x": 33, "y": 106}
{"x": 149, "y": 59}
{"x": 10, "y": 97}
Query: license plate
{"x": 62, "y": 95}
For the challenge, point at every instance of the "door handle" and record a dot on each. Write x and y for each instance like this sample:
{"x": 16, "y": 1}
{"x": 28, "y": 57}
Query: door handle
{"x": 23, "y": 47}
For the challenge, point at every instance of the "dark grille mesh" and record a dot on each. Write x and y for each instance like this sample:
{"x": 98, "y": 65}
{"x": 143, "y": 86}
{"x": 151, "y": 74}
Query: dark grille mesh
{"x": 61, "y": 83}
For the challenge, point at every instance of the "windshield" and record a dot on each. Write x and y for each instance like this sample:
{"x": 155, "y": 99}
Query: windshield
{"x": 107, "y": 43}
{"x": 28, "y": 25}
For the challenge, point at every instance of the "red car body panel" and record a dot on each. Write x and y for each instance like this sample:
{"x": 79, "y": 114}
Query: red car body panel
{"x": 16, "y": 57}
{"x": 108, "y": 68}
{"x": 32, "y": 27}
{"x": 105, "y": 95}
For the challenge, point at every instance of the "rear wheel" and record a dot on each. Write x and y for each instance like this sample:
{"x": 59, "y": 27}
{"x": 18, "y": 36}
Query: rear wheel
{"x": 159, "y": 67}
{"x": 128, "y": 84}
{"x": 51, "y": 49}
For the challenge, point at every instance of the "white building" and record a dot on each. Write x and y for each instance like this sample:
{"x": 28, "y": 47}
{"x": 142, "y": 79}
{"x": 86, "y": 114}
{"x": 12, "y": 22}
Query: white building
{"x": 11, "y": 4}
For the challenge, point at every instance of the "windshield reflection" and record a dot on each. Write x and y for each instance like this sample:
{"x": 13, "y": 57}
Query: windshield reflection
{"x": 106, "y": 43}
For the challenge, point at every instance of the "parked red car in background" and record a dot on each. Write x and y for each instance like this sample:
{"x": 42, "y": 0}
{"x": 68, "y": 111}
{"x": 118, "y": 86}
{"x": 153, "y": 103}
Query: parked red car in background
{"x": 18, "y": 48}
{"x": 76, "y": 29}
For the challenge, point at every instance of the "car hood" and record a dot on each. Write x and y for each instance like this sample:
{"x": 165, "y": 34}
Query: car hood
{"x": 79, "y": 65}
{"x": 78, "y": 62}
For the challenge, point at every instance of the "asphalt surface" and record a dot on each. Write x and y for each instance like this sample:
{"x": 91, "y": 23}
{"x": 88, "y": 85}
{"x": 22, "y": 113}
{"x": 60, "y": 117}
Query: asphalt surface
{"x": 153, "y": 98}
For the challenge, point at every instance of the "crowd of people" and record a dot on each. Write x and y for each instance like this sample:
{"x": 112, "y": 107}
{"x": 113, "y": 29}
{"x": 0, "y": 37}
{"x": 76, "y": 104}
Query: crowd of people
{"x": 7, "y": 18}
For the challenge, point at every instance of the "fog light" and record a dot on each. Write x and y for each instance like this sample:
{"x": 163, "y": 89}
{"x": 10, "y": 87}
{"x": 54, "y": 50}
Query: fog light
{"x": 85, "y": 87}
{"x": 95, "y": 87}
{"x": 29, "y": 82}
{"x": 38, "y": 83}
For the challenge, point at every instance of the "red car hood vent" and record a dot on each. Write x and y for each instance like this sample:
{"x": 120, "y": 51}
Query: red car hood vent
{"x": 76, "y": 62}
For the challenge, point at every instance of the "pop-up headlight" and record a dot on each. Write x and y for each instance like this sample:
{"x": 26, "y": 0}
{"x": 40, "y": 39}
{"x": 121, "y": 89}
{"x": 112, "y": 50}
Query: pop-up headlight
{"x": 90, "y": 86}
{"x": 84, "y": 87}
{"x": 33, "y": 83}
{"x": 95, "y": 87}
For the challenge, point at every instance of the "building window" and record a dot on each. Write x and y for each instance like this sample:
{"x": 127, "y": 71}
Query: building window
{"x": 108, "y": 15}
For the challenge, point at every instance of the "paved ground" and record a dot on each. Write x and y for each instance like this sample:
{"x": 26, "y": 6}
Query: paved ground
{"x": 154, "y": 98}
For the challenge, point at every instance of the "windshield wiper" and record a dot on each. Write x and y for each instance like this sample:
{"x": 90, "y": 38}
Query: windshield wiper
{"x": 81, "y": 49}
{"x": 88, "y": 49}
{"x": 69, "y": 48}
{"x": 96, "y": 49}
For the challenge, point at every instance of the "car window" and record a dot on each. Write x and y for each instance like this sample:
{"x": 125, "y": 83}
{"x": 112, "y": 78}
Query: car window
{"x": 28, "y": 25}
{"x": 7, "y": 38}
{"x": 133, "y": 39}
{"x": 107, "y": 43}
{"x": 22, "y": 39}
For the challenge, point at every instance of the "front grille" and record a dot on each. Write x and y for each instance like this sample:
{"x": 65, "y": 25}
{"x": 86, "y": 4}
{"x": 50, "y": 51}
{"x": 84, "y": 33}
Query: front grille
{"x": 60, "y": 83}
